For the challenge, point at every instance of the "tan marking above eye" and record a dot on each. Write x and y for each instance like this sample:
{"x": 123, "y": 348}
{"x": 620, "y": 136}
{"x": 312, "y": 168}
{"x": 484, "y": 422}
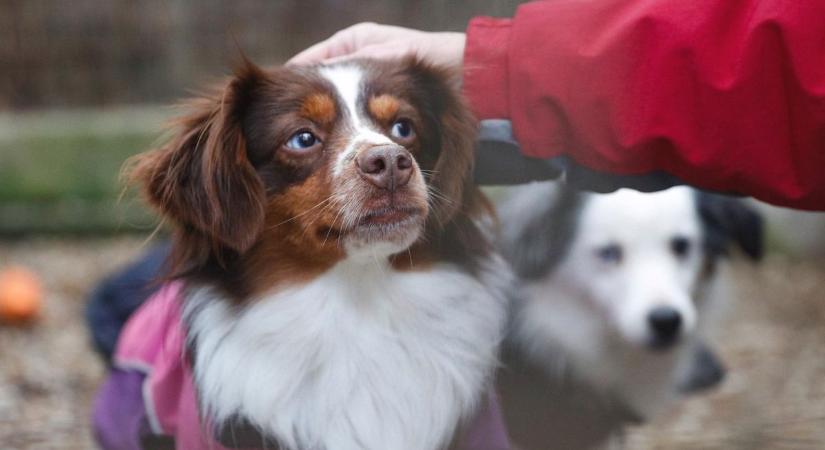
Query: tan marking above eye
{"x": 384, "y": 107}
{"x": 320, "y": 108}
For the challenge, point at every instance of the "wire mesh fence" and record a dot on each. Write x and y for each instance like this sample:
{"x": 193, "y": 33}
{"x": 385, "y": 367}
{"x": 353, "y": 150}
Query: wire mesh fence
{"x": 83, "y": 53}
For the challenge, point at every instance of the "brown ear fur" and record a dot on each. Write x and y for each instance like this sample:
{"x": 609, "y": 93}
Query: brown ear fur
{"x": 202, "y": 179}
{"x": 452, "y": 174}
{"x": 457, "y": 204}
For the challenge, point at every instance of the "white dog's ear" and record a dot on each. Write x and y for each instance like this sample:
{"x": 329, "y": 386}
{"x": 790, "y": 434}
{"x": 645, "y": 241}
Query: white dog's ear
{"x": 730, "y": 220}
{"x": 538, "y": 233}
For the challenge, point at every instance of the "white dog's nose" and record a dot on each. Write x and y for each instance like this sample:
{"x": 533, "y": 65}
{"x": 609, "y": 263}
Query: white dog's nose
{"x": 665, "y": 325}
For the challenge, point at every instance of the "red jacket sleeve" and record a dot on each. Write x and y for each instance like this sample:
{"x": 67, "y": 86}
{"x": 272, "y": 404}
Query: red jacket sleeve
{"x": 727, "y": 95}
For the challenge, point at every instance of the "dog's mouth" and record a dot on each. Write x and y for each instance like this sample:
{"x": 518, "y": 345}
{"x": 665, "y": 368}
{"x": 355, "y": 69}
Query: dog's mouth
{"x": 393, "y": 224}
{"x": 387, "y": 224}
{"x": 663, "y": 345}
{"x": 390, "y": 217}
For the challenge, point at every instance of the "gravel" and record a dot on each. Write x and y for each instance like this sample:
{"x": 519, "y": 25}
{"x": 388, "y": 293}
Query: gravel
{"x": 772, "y": 342}
{"x": 48, "y": 372}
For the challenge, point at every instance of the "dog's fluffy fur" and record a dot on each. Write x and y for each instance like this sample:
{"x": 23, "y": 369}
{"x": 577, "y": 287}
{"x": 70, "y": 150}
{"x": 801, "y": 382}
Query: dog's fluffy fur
{"x": 582, "y": 355}
{"x": 324, "y": 308}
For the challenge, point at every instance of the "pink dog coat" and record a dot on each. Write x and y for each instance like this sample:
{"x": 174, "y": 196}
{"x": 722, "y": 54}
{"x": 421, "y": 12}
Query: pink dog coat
{"x": 150, "y": 393}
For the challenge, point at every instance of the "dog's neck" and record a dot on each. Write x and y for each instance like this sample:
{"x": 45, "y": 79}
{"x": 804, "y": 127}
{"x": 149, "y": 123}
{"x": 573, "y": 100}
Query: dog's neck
{"x": 559, "y": 411}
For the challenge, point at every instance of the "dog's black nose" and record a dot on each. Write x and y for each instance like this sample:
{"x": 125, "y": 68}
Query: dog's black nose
{"x": 386, "y": 166}
{"x": 665, "y": 323}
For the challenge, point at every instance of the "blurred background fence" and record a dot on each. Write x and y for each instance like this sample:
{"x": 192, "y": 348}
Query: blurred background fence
{"x": 83, "y": 53}
{"x": 82, "y": 83}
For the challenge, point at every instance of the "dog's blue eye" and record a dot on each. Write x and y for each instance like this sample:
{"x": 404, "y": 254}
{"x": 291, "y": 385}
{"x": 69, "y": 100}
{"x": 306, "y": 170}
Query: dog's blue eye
{"x": 302, "y": 140}
{"x": 611, "y": 253}
{"x": 402, "y": 129}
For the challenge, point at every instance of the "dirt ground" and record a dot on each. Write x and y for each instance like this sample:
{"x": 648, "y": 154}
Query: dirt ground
{"x": 773, "y": 344}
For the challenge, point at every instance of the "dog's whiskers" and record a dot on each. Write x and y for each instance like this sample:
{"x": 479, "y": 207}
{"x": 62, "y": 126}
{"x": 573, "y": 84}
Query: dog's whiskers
{"x": 317, "y": 217}
{"x": 332, "y": 225}
{"x": 321, "y": 203}
{"x": 435, "y": 194}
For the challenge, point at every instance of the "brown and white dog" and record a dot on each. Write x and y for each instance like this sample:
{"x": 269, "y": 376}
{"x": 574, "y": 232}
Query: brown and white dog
{"x": 339, "y": 290}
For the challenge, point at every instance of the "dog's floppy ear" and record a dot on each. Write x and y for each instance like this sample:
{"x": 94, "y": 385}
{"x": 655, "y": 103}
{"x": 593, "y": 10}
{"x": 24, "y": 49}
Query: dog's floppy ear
{"x": 202, "y": 179}
{"x": 727, "y": 220}
{"x": 539, "y": 226}
{"x": 456, "y": 127}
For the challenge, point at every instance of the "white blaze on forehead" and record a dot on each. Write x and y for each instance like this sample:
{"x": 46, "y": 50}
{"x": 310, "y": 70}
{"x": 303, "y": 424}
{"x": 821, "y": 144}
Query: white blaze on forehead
{"x": 348, "y": 81}
{"x": 640, "y": 219}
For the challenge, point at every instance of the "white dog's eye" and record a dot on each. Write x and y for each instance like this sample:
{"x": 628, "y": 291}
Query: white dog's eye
{"x": 302, "y": 140}
{"x": 610, "y": 253}
{"x": 402, "y": 129}
{"x": 680, "y": 246}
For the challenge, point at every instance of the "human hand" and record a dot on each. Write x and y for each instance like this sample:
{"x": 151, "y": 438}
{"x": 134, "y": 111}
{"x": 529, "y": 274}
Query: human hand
{"x": 371, "y": 40}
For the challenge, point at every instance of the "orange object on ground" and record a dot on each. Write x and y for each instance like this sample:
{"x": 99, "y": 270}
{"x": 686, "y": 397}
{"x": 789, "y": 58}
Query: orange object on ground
{"x": 21, "y": 295}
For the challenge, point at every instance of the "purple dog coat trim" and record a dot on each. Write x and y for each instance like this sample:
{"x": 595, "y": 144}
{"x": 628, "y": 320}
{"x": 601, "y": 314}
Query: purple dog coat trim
{"x": 119, "y": 416}
{"x": 487, "y": 431}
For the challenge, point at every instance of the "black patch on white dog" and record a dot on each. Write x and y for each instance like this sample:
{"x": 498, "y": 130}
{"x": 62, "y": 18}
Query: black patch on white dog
{"x": 546, "y": 237}
{"x": 728, "y": 220}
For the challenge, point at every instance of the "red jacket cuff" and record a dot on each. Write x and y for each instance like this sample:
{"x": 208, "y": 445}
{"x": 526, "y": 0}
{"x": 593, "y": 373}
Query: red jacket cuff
{"x": 485, "y": 67}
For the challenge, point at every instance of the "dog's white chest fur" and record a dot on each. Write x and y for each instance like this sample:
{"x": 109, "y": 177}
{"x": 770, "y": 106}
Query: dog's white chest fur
{"x": 363, "y": 357}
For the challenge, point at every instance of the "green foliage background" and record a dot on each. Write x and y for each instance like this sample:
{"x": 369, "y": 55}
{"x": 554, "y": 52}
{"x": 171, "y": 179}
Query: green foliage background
{"x": 60, "y": 171}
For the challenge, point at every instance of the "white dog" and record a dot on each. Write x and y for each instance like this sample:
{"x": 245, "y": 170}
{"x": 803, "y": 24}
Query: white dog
{"x": 617, "y": 293}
